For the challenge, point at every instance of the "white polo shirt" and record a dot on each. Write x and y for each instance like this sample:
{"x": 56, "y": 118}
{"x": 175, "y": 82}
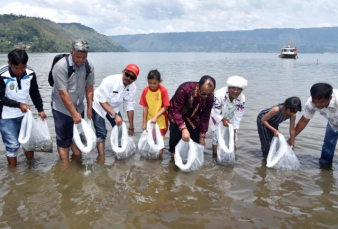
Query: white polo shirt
{"x": 330, "y": 113}
{"x": 113, "y": 91}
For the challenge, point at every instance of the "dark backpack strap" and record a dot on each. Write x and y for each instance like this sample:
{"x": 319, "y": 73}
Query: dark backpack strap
{"x": 87, "y": 68}
{"x": 70, "y": 68}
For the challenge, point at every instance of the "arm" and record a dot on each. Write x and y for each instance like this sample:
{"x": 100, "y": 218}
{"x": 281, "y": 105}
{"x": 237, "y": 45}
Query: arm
{"x": 301, "y": 125}
{"x": 266, "y": 118}
{"x": 162, "y": 110}
{"x": 291, "y": 141}
{"x": 145, "y": 114}
{"x": 5, "y": 100}
{"x": 130, "y": 115}
{"x": 204, "y": 119}
{"x": 89, "y": 98}
{"x": 67, "y": 101}
{"x": 110, "y": 110}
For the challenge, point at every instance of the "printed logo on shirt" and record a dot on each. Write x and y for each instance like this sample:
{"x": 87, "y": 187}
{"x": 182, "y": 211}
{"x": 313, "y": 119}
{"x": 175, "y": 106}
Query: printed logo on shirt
{"x": 11, "y": 86}
{"x": 157, "y": 97}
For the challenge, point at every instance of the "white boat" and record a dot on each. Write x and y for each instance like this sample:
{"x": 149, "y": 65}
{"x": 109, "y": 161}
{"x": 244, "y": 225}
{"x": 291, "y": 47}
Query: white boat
{"x": 289, "y": 52}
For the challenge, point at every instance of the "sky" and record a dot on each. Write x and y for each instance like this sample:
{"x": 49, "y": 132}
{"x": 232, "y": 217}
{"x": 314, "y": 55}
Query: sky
{"x": 121, "y": 17}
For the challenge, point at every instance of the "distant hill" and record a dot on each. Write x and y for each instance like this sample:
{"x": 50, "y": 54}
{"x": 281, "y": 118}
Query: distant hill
{"x": 42, "y": 35}
{"x": 311, "y": 40}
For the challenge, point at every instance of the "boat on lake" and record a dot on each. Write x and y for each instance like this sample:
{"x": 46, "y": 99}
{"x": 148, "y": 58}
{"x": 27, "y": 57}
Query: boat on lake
{"x": 289, "y": 51}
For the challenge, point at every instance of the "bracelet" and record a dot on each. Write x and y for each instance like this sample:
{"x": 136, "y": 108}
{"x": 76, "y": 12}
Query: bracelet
{"x": 131, "y": 128}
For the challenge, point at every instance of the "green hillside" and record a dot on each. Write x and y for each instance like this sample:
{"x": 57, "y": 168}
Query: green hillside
{"x": 42, "y": 35}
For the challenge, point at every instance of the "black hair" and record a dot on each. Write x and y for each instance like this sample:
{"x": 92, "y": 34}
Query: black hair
{"x": 293, "y": 103}
{"x": 321, "y": 91}
{"x": 205, "y": 78}
{"x": 154, "y": 74}
{"x": 18, "y": 56}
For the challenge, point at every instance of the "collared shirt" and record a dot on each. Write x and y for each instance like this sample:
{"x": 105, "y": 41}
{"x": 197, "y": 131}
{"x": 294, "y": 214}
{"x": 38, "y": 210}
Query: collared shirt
{"x": 187, "y": 106}
{"x": 113, "y": 91}
{"x": 330, "y": 113}
{"x": 223, "y": 107}
{"x": 15, "y": 90}
{"x": 75, "y": 84}
{"x": 154, "y": 101}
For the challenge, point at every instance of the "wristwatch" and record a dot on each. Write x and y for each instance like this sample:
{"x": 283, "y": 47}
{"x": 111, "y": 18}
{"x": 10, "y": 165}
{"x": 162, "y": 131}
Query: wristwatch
{"x": 112, "y": 115}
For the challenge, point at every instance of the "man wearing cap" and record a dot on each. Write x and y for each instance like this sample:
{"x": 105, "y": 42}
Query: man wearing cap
{"x": 113, "y": 91}
{"x": 228, "y": 108}
{"x": 189, "y": 111}
{"x": 68, "y": 95}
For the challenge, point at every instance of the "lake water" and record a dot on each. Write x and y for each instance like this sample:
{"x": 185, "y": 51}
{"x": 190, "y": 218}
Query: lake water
{"x": 141, "y": 193}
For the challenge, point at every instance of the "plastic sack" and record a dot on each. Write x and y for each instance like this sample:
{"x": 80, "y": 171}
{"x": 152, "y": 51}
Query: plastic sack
{"x": 151, "y": 141}
{"x": 26, "y": 127}
{"x": 34, "y": 134}
{"x": 226, "y": 145}
{"x": 84, "y": 136}
{"x": 189, "y": 155}
{"x": 144, "y": 147}
{"x": 122, "y": 144}
{"x": 281, "y": 156}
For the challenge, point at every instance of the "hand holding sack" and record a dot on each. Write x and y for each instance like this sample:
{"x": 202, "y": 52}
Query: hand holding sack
{"x": 189, "y": 155}
{"x": 122, "y": 144}
{"x": 151, "y": 141}
{"x": 84, "y": 136}
{"x": 281, "y": 155}
{"x": 34, "y": 134}
{"x": 226, "y": 145}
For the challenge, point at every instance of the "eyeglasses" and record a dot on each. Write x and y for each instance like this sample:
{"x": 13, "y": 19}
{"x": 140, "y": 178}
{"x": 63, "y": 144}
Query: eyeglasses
{"x": 205, "y": 94}
{"x": 130, "y": 76}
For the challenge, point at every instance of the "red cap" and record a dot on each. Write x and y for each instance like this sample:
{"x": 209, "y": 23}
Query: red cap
{"x": 133, "y": 68}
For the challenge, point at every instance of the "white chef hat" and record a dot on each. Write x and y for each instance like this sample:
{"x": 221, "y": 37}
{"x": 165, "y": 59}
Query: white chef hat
{"x": 237, "y": 81}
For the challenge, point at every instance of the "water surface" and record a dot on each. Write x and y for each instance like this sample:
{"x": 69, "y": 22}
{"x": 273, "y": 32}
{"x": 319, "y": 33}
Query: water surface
{"x": 141, "y": 193}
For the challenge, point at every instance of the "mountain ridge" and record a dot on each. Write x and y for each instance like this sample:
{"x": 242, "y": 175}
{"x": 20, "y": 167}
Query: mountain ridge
{"x": 307, "y": 40}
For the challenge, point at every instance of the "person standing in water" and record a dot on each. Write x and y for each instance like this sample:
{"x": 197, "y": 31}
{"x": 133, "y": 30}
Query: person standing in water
{"x": 228, "y": 107}
{"x": 155, "y": 102}
{"x": 18, "y": 83}
{"x": 269, "y": 119}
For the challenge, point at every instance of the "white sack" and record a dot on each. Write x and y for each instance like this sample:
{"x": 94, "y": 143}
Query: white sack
{"x": 26, "y": 127}
{"x": 226, "y": 145}
{"x": 144, "y": 147}
{"x": 84, "y": 136}
{"x": 189, "y": 155}
{"x": 154, "y": 136}
{"x": 281, "y": 155}
{"x": 122, "y": 144}
{"x": 34, "y": 134}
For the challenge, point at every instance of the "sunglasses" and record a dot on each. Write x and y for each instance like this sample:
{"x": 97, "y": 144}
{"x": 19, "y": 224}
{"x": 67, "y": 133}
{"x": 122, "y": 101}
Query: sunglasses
{"x": 130, "y": 76}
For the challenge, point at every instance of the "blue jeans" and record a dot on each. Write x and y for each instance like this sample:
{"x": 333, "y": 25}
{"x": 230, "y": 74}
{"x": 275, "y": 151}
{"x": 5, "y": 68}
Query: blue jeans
{"x": 10, "y": 129}
{"x": 100, "y": 125}
{"x": 329, "y": 146}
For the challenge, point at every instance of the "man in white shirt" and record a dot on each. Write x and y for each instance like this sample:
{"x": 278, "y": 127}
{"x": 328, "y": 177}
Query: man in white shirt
{"x": 324, "y": 100}
{"x": 113, "y": 91}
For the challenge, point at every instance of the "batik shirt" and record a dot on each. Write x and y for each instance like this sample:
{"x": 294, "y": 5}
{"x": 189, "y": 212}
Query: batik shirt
{"x": 223, "y": 107}
{"x": 187, "y": 106}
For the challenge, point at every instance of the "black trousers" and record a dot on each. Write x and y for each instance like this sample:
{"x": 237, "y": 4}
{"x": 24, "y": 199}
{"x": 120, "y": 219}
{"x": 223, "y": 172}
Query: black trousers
{"x": 175, "y": 135}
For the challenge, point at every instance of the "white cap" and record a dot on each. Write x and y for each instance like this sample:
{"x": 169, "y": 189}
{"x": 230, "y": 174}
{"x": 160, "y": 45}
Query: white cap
{"x": 237, "y": 81}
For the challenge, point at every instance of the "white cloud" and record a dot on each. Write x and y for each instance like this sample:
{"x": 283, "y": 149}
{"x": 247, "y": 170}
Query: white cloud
{"x": 116, "y": 17}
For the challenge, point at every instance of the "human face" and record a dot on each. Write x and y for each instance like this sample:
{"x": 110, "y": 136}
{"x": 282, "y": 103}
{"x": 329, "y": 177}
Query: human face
{"x": 234, "y": 92}
{"x": 205, "y": 91}
{"x": 321, "y": 103}
{"x": 153, "y": 84}
{"x": 19, "y": 69}
{"x": 79, "y": 58}
{"x": 128, "y": 77}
